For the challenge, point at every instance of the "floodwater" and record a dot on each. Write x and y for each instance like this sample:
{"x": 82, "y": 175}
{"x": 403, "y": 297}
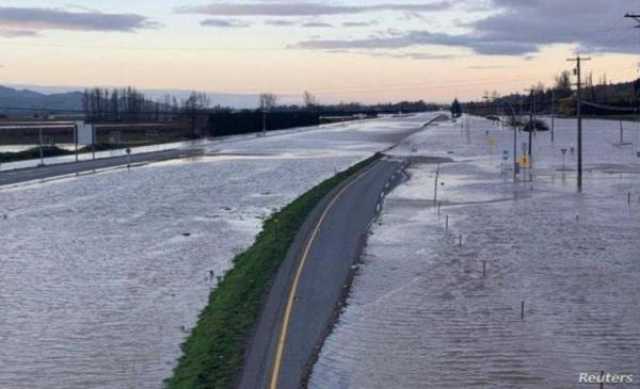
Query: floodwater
{"x": 88, "y": 156}
{"x": 103, "y": 276}
{"x": 421, "y": 313}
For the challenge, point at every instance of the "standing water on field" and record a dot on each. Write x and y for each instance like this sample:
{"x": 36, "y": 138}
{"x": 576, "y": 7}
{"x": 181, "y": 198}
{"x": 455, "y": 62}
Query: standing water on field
{"x": 102, "y": 276}
{"x": 422, "y": 314}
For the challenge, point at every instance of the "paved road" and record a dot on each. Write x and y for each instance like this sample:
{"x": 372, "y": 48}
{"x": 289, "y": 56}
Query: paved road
{"x": 50, "y": 171}
{"x": 310, "y": 285}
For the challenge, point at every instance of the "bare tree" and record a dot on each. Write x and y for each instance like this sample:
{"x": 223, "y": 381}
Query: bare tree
{"x": 590, "y": 87}
{"x": 194, "y": 106}
{"x": 267, "y": 102}
{"x": 563, "y": 84}
{"x": 310, "y": 101}
{"x": 196, "y": 102}
{"x": 128, "y": 104}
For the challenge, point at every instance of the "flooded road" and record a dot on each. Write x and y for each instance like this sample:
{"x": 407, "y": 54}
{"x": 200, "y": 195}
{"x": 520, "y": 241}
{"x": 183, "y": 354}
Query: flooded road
{"x": 421, "y": 313}
{"x": 103, "y": 276}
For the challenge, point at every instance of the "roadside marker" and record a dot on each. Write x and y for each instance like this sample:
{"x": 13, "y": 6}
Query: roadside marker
{"x": 435, "y": 192}
{"x": 446, "y": 226}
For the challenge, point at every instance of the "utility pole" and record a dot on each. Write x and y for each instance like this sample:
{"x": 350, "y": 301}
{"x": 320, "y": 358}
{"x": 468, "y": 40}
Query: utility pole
{"x": 531, "y": 124}
{"x": 553, "y": 115}
{"x": 515, "y": 126}
{"x": 578, "y": 72}
{"x": 635, "y": 17}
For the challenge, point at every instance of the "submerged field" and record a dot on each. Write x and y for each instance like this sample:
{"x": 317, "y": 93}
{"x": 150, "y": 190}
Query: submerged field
{"x": 104, "y": 275}
{"x": 421, "y": 314}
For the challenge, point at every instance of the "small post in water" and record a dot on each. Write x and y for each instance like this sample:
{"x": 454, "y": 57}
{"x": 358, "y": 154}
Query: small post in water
{"x": 446, "y": 225}
{"x": 93, "y": 141}
{"x": 484, "y": 269}
{"x": 41, "y": 146}
{"x": 435, "y": 192}
{"x": 460, "y": 240}
{"x": 522, "y": 311}
{"x": 75, "y": 139}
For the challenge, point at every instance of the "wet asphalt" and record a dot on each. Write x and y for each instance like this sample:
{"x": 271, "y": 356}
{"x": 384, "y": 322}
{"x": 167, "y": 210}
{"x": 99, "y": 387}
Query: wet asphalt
{"x": 65, "y": 169}
{"x": 324, "y": 281}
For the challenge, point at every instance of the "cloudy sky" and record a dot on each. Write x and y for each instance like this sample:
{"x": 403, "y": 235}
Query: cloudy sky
{"x": 366, "y": 50}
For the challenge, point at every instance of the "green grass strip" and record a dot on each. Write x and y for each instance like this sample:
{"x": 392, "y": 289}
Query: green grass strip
{"x": 213, "y": 355}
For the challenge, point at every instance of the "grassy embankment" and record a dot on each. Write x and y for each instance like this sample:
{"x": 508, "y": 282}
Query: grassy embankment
{"x": 213, "y": 354}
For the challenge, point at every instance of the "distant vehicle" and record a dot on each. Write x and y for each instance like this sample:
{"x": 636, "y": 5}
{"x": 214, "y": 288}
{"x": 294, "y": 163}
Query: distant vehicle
{"x": 493, "y": 118}
{"x": 536, "y": 125}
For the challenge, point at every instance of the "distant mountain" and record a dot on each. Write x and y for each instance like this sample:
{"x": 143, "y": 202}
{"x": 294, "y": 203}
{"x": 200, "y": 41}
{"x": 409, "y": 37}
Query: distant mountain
{"x": 26, "y": 101}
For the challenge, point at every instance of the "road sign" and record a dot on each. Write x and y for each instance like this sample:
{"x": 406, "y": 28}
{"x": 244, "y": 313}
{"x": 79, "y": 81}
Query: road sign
{"x": 86, "y": 133}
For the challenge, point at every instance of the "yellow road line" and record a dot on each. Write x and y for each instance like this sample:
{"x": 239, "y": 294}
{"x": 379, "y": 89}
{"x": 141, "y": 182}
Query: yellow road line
{"x": 275, "y": 372}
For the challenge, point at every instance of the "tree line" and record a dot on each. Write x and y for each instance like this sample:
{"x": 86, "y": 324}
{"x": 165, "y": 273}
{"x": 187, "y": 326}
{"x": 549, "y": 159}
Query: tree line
{"x": 560, "y": 98}
{"x": 311, "y": 103}
{"x": 128, "y": 104}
